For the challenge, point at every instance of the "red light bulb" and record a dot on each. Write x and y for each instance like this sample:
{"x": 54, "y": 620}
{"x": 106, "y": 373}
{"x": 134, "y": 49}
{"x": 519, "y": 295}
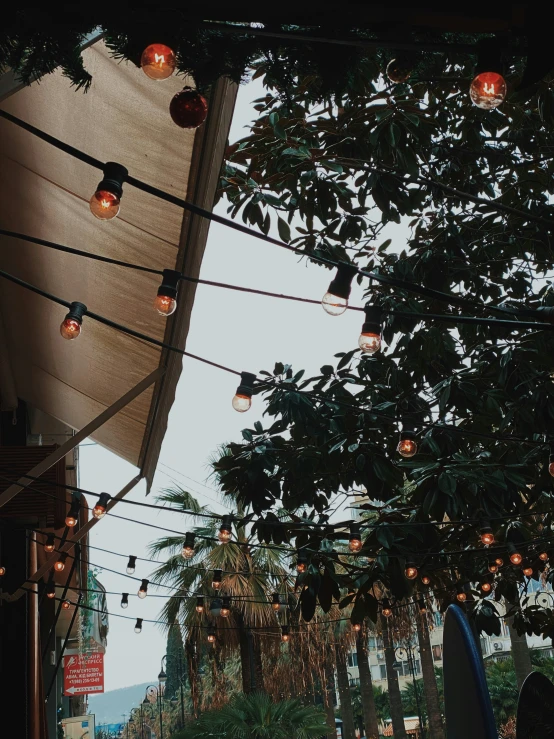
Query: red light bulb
{"x": 488, "y": 90}
{"x": 551, "y": 468}
{"x": 165, "y": 305}
{"x": 104, "y": 205}
{"x": 70, "y": 328}
{"x": 369, "y": 343}
{"x": 188, "y": 108}
{"x": 158, "y": 61}
{"x": 407, "y": 448}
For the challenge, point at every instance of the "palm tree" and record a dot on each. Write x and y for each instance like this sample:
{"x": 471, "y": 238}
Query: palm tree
{"x": 347, "y": 714}
{"x": 503, "y": 689}
{"x": 256, "y": 716}
{"x": 250, "y": 574}
{"x": 369, "y": 711}
{"x": 430, "y": 691}
{"x": 396, "y": 712}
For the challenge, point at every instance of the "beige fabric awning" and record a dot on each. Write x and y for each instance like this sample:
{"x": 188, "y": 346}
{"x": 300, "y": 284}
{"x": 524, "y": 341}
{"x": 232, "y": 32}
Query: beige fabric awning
{"x": 124, "y": 118}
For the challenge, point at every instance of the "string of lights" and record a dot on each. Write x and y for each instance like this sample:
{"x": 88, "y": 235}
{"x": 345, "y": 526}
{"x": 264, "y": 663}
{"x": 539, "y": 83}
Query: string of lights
{"x": 411, "y": 315}
{"x": 121, "y": 175}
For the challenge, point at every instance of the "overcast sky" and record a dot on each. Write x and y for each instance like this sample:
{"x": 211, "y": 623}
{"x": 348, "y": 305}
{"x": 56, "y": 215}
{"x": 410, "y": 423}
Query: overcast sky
{"x": 245, "y": 332}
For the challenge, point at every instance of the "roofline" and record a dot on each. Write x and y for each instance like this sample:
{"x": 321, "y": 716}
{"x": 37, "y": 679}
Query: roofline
{"x": 207, "y": 155}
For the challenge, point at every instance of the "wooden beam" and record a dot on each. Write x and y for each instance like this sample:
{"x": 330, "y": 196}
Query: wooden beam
{"x": 84, "y": 433}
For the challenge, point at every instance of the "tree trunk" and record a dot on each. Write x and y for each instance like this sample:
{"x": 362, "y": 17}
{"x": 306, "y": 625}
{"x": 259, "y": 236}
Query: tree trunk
{"x": 328, "y": 692}
{"x": 244, "y": 655}
{"x": 520, "y": 654}
{"x": 366, "y": 689}
{"x": 396, "y": 712}
{"x": 258, "y": 666}
{"x": 436, "y": 729}
{"x": 348, "y": 731}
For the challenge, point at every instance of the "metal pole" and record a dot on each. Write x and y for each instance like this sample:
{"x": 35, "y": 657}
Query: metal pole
{"x": 63, "y": 648}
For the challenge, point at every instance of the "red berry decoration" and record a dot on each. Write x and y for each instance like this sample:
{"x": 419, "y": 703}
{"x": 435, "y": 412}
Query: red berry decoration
{"x": 188, "y": 108}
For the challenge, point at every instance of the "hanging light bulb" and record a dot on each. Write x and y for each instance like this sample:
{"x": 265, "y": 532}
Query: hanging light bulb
{"x": 335, "y": 300}
{"x": 493, "y": 567}
{"x": 211, "y": 634}
{"x": 400, "y": 69}
{"x": 50, "y": 543}
{"x": 73, "y": 513}
{"x": 104, "y": 204}
{"x": 527, "y": 568}
{"x": 217, "y": 579}
{"x": 158, "y": 61}
{"x": 188, "y": 108}
{"x": 425, "y": 579}
{"x": 131, "y": 565}
{"x": 488, "y": 90}
{"x": 143, "y": 590}
{"x": 461, "y": 595}
{"x": 70, "y": 327}
{"x": 356, "y": 626}
{"x": 59, "y": 566}
{"x": 225, "y": 530}
{"x": 215, "y": 606}
{"x": 124, "y": 600}
{"x": 166, "y": 299}
{"x": 486, "y": 586}
{"x": 499, "y": 561}
{"x": 2, "y": 570}
{"x": 411, "y": 570}
{"x": 242, "y": 400}
{"x": 138, "y": 626}
{"x": 407, "y": 446}
{"x": 50, "y": 590}
{"x": 99, "y": 510}
{"x": 370, "y": 338}
{"x": 301, "y": 561}
{"x": 355, "y": 539}
{"x": 515, "y": 556}
{"x": 386, "y": 610}
{"x": 422, "y": 606}
{"x": 285, "y": 632}
{"x": 225, "y": 607}
{"x": 543, "y": 556}
{"x": 188, "y": 546}
{"x": 200, "y": 604}
{"x": 276, "y": 602}
{"x": 486, "y": 533}
{"x": 66, "y": 604}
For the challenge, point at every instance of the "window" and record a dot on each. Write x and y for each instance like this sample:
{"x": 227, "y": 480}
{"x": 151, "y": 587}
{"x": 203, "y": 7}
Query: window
{"x": 372, "y": 643}
{"x": 354, "y": 682}
{"x": 352, "y": 660}
{"x": 383, "y": 669}
{"x": 437, "y": 618}
{"x": 437, "y": 652}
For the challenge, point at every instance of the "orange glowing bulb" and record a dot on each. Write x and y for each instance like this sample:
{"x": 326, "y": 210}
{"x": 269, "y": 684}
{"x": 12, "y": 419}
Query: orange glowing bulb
{"x": 488, "y": 90}
{"x": 66, "y": 604}
{"x": 551, "y": 468}
{"x": 356, "y": 627}
{"x": 487, "y": 537}
{"x": 493, "y": 567}
{"x": 70, "y": 521}
{"x": 411, "y": 573}
{"x": 426, "y": 580}
{"x": 499, "y": 561}
{"x": 543, "y": 556}
{"x": 461, "y": 597}
{"x": 355, "y": 544}
{"x": 165, "y": 305}
{"x": 104, "y": 205}
{"x": 285, "y": 637}
{"x": 369, "y": 343}
{"x": 59, "y": 566}
{"x": 486, "y": 587}
{"x": 516, "y": 558}
{"x": 158, "y": 61}
{"x": 301, "y": 567}
{"x": 51, "y": 593}
{"x": 407, "y": 448}
{"x": 2, "y": 571}
{"x": 211, "y": 638}
{"x": 70, "y": 328}
{"x": 528, "y": 571}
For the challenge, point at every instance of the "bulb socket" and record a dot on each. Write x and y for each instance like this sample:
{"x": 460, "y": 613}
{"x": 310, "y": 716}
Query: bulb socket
{"x": 246, "y": 386}
{"x": 143, "y": 590}
{"x": 114, "y": 176}
{"x": 76, "y": 312}
{"x": 138, "y": 626}
{"x": 489, "y": 56}
{"x": 200, "y": 604}
{"x": 131, "y": 564}
{"x": 217, "y": 579}
{"x": 285, "y": 632}
{"x": 372, "y": 323}
{"x": 341, "y": 284}
{"x": 124, "y": 600}
{"x": 170, "y": 283}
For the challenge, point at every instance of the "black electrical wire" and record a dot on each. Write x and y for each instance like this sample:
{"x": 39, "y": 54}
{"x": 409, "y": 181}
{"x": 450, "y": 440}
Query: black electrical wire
{"x": 112, "y": 324}
{"x": 443, "y": 318}
{"x": 202, "y": 212}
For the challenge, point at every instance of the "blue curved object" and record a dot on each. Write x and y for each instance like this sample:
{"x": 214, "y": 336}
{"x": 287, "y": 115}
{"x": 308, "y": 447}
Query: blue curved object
{"x": 467, "y": 703}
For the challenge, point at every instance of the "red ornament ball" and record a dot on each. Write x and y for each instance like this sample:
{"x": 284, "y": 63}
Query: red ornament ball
{"x": 188, "y": 108}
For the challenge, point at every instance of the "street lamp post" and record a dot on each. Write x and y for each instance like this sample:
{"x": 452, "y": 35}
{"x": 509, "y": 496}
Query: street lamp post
{"x": 408, "y": 653}
{"x": 157, "y": 691}
{"x": 181, "y": 676}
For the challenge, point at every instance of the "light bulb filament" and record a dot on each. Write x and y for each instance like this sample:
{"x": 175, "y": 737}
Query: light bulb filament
{"x": 160, "y": 59}
{"x": 489, "y": 89}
